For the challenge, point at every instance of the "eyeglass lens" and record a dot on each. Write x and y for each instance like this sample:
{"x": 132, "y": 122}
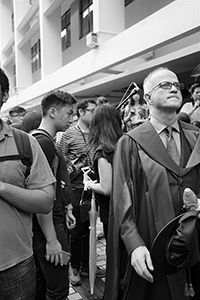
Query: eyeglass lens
{"x": 167, "y": 85}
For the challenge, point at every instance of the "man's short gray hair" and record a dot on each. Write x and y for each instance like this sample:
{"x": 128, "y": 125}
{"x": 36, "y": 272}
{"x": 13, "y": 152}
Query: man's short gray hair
{"x": 147, "y": 81}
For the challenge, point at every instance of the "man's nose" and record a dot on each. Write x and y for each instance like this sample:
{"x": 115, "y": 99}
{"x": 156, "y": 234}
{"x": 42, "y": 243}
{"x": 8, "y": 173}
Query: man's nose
{"x": 173, "y": 89}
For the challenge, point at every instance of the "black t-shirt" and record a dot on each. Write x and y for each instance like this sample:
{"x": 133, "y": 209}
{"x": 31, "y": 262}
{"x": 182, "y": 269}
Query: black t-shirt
{"x": 103, "y": 201}
{"x": 62, "y": 199}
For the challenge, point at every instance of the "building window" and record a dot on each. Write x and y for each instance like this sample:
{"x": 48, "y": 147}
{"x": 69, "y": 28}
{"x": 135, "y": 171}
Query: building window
{"x": 66, "y": 30}
{"x": 14, "y": 76}
{"x": 86, "y": 16}
{"x": 128, "y": 2}
{"x": 36, "y": 57}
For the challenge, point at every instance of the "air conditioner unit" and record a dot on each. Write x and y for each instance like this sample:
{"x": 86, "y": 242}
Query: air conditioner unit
{"x": 91, "y": 40}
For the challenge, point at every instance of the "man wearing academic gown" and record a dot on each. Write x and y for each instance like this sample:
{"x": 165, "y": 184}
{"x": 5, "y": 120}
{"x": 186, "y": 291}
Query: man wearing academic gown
{"x": 147, "y": 193}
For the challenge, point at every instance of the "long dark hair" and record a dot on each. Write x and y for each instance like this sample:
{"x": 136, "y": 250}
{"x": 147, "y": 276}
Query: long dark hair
{"x": 106, "y": 127}
{"x": 141, "y": 99}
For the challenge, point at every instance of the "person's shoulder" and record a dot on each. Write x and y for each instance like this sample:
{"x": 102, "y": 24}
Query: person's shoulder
{"x": 42, "y": 139}
{"x": 33, "y": 141}
{"x": 105, "y": 152}
{"x": 186, "y": 106}
{"x": 69, "y": 132}
{"x": 71, "y": 129}
{"x": 16, "y": 125}
{"x": 104, "y": 148}
{"x": 187, "y": 126}
{"x": 16, "y": 131}
{"x": 188, "y": 103}
{"x": 125, "y": 138}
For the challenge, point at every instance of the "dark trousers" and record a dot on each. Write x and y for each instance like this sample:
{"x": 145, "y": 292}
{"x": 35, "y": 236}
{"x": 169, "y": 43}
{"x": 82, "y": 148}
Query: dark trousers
{"x": 52, "y": 281}
{"x": 79, "y": 240}
{"x": 18, "y": 282}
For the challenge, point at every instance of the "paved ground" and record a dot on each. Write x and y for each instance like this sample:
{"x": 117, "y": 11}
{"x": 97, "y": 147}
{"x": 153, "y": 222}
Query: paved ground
{"x": 82, "y": 292}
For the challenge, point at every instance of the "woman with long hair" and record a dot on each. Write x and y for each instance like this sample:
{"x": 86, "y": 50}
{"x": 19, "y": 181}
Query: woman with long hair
{"x": 106, "y": 129}
{"x": 135, "y": 112}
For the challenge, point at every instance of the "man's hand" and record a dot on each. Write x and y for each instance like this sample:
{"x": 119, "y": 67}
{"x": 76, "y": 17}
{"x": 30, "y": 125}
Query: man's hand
{"x": 70, "y": 219}
{"x": 54, "y": 252}
{"x": 190, "y": 200}
{"x": 141, "y": 262}
{"x": 86, "y": 179}
{"x": 196, "y": 104}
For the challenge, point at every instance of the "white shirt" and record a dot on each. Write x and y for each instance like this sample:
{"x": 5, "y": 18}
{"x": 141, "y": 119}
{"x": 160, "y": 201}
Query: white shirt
{"x": 187, "y": 107}
{"x": 160, "y": 129}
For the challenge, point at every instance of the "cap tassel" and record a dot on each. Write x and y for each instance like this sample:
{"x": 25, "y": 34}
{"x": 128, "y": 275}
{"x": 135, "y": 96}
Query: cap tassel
{"x": 189, "y": 291}
{"x": 186, "y": 292}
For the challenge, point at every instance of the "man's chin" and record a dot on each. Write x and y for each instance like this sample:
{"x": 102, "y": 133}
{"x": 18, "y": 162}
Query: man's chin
{"x": 170, "y": 109}
{"x": 65, "y": 128}
{"x": 174, "y": 106}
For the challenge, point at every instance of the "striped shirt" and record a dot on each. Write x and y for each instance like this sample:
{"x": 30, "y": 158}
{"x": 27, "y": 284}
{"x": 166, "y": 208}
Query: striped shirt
{"x": 73, "y": 143}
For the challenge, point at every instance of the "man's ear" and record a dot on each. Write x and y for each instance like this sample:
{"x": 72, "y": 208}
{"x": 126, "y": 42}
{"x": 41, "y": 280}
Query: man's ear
{"x": 147, "y": 98}
{"x": 5, "y": 97}
{"x": 52, "y": 112}
{"x": 81, "y": 112}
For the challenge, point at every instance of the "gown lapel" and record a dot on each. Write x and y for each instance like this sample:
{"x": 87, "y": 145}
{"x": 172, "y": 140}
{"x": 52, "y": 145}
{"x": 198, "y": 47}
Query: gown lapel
{"x": 195, "y": 155}
{"x": 145, "y": 135}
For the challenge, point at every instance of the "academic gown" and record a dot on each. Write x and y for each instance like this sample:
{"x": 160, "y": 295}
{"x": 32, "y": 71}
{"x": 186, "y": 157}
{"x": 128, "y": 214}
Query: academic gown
{"x": 141, "y": 205}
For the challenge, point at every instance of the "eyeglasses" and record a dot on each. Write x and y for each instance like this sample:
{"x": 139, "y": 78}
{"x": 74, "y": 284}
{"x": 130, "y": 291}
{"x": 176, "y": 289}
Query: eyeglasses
{"x": 91, "y": 110}
{"x": 166, "y": 85}
{"x": 17, "y": 114}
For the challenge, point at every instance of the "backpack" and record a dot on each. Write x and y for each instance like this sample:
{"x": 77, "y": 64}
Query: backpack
{"x": 66, "y": 191}
{"x": 24, "y": 149}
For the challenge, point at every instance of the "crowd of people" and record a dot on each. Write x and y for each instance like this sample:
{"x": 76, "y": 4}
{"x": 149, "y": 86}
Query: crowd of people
{"x": 137, "y": 160}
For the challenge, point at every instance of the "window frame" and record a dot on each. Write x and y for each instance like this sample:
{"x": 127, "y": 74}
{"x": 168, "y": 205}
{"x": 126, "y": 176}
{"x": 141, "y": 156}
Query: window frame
{"x": 86, "y": 22}
{"x": 66, "y": 25}
{"x": 35, "y": 57}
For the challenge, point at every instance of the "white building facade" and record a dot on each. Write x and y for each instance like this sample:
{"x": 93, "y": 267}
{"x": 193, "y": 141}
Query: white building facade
{"x": 94, "y": 47}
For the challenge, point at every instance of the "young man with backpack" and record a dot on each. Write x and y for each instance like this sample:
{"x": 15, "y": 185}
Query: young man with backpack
{"x": 25, "y": 188}
{"x": 51, "y": 236}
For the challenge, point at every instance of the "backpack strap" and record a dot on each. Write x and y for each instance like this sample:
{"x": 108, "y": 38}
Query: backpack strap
{"x": 24, "y": 149}
{"x": 37, "y": 132}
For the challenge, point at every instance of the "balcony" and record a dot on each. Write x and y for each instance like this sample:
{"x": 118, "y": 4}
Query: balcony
{"x": 29, "y": 15}
{"x": 29, "y": 35}
{"x": 9, "y": 45}
{"x": 53, "y": 6}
